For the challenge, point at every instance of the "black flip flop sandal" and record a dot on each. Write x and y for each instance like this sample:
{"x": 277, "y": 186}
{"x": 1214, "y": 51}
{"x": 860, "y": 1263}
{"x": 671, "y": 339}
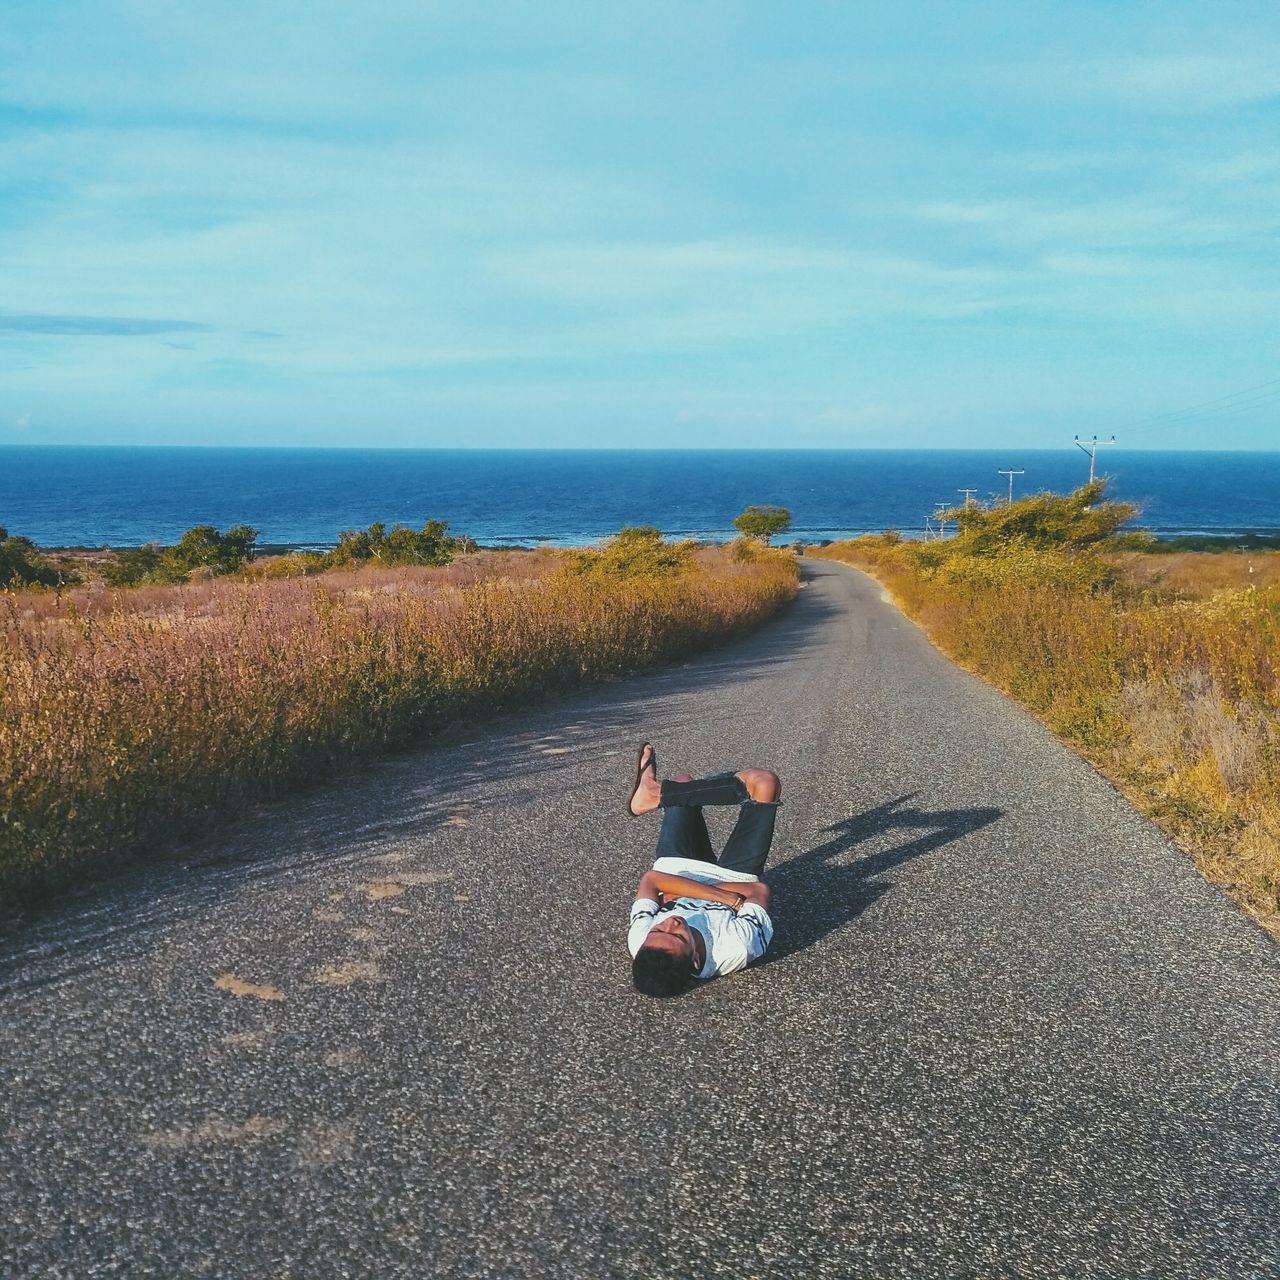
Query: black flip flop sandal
{"x": 641, "y": 765}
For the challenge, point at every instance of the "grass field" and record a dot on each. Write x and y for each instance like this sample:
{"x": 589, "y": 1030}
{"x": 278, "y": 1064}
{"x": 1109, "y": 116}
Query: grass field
{"x": 1162, "y": 670}
{"x": 133, "y": 718}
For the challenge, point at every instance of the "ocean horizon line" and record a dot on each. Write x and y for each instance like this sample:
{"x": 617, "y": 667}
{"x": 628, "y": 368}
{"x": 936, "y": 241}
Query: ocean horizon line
{"x": 122, "y": 495}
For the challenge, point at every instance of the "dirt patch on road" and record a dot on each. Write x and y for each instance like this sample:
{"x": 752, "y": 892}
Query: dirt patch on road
{"x": 239, "y": 987}
{"x": 213, "y": 1130}
{"x": 346, "y": 975}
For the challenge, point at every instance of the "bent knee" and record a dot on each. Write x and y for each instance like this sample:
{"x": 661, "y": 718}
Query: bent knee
{"x": 763, "y": 785}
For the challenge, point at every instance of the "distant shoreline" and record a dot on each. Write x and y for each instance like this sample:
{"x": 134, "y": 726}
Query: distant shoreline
{"x": 811, "y": 537}
{"x": 301, "y": 499}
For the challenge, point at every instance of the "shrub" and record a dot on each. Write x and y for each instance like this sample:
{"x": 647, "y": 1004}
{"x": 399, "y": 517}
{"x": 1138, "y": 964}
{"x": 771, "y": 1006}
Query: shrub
{"x": 399, "y": 545}
{"x": 145, "y": 564}
{"x": 22, "y": 565}
{"x": 294, "y": 564}
{"x": 201, "y": 551}
{"x": 1074, "y": 520}
{"x": 639, "y": 551}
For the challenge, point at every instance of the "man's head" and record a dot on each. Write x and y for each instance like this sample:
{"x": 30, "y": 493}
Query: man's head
{"x": 664, "y": 964}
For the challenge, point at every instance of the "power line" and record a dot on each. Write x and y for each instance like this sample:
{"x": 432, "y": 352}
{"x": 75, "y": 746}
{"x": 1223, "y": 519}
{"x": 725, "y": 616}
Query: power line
{"x": 1091, "y": 448}
{"x": 1010, "y": 473}
{"x": 1189, "y": 419}
{"x": 1215, "y": 401}
{"x": 1252, "y": 397}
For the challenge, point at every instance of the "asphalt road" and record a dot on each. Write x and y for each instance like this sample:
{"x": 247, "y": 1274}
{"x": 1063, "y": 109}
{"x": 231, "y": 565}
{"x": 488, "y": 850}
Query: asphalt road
{"x": 387, "y": 1029}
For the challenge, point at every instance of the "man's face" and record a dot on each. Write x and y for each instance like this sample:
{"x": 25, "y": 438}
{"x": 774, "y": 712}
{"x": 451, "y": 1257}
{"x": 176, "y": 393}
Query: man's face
{"x": 672, "y": 935}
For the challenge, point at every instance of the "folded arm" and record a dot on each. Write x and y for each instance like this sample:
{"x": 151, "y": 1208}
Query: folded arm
{"x": 660, "y": 885}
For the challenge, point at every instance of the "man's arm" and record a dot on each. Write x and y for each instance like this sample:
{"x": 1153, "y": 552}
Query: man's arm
{"x": 662, "y": 884}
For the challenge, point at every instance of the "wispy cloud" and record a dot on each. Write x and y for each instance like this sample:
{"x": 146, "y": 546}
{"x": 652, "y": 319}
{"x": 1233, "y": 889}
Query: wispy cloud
{"x": 1184, "y": 82}
{"x": 742, "y": 288}
{"x": 1181, "y": 219}
{"x": 94, "y": 326}
{"x": 515, "y": 217}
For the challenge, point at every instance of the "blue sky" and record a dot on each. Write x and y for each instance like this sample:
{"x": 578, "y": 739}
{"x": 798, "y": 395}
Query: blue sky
{"x": 739, "y": 224}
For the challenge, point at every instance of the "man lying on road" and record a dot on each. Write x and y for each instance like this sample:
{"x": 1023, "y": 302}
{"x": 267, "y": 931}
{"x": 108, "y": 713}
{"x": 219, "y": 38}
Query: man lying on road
{"x": 684, "y": 927}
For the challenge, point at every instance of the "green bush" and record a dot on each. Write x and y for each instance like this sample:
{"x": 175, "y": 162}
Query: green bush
{"x": 201, "y": 551}
{"x": 136, "y": 565}
{"x": 399, "y": 545}
{"x": 204, "y": 547}
{"x": 22, "y": 565}
{"x": 204, "y": 552}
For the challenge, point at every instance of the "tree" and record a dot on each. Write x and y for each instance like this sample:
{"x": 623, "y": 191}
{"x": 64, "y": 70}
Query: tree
{"x": 200, "y": 545}
{"x": 238, "y": 543}
{"x": 204, "y": 547}
{"x": 763, "y": 522}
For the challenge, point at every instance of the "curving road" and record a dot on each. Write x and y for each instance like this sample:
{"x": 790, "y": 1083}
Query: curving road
{"x": 386, "y": 1029}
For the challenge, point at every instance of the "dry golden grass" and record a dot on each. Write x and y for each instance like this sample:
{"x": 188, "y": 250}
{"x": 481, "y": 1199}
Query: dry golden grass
{"x": 1192, "y": 575}
{"x": 131, "y": 718}
{"x": 1164, "y": 671}
{"x": 208, "y": 594}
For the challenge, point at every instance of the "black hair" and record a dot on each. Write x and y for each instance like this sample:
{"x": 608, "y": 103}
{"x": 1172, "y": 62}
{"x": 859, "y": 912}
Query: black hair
{"x": 658, "y": 972}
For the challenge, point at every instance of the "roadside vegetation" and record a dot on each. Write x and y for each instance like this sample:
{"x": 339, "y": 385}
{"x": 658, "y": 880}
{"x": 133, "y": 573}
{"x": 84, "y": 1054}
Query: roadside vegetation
{"x": 1161, "y": 668}
{"x": 131, "y": 718}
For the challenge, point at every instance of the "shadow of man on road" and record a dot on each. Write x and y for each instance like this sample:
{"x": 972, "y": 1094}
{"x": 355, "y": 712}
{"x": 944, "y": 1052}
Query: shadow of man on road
{"x": 814, "y": 894}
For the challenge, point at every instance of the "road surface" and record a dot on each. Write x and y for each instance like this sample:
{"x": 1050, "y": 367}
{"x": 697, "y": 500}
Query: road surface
{"x": 386, "y": 1029}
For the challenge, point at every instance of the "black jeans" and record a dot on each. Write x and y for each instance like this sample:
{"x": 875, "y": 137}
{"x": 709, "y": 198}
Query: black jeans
{"x": 684, "y": 830}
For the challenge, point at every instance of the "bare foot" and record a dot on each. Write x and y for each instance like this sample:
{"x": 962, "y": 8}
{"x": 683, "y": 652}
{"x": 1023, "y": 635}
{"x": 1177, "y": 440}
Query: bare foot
{"x": 649, "y": 793}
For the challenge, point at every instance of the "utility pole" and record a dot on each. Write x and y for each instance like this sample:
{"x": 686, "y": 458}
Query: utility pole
{"x": 1010, "y": 473}
{"x": 939, "y": 515}
{"x": 968, "y": 496}
{"x": 1091, "y": 448}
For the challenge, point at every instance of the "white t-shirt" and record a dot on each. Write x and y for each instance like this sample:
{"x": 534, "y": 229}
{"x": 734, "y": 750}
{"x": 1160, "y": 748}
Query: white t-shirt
{"x": 733, "y": 941}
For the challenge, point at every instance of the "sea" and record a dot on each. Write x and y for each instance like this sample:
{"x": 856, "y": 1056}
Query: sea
{"x": 125, "y": 496}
